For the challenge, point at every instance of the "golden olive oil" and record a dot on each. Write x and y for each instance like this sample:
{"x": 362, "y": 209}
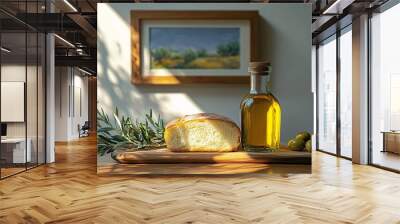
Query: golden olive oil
{"x": 260, "y": 112}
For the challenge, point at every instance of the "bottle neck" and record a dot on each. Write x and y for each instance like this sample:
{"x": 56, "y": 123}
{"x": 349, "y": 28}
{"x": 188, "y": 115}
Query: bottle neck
{"x": 259, "y": 83}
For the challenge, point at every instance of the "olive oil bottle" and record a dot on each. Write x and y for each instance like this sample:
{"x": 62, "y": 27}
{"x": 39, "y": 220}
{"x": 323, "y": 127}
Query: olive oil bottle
{"x": 260, "y": 112}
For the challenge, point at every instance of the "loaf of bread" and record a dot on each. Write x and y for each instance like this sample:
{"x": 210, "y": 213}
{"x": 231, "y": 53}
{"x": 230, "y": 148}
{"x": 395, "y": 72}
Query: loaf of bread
{"x": 204, "y": 132}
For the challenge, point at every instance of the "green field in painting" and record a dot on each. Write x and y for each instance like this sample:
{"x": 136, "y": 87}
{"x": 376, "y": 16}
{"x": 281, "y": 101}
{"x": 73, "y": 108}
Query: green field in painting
{"x": 209, "y": 62}
{"x": 225, "y": 56}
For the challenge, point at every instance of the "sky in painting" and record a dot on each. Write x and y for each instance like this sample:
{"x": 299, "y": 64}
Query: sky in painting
{"x": 181, "y": 38}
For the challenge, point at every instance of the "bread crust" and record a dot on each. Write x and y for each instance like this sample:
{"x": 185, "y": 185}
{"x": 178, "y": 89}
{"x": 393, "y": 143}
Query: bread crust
{"x": 198, "y": 118}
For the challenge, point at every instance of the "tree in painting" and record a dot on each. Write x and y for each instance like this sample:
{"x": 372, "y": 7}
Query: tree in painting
{"x": 195, "y": 48}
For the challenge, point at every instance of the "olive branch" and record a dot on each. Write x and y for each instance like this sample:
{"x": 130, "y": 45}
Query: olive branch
{"x": 123, "y": 132}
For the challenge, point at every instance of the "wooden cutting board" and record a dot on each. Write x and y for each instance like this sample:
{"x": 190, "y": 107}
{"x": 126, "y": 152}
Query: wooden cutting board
{"x": 164, "y": 156}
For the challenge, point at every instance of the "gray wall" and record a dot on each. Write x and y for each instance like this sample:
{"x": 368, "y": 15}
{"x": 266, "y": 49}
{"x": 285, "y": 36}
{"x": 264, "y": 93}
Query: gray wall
{"x": 67, "y": 111}
{"x": 285, "y": 41}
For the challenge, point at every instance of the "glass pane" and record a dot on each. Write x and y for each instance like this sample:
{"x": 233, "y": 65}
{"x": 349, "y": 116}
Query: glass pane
{"x": 385, "y": 84}
{"x": 32, "y": 98}
{"x": 346, "y": 94}
{"x": 327, "y": 96}
{"x": 13, "y": 86}
{"x": 23, "y": 90}
{"x": 41, "y": 98}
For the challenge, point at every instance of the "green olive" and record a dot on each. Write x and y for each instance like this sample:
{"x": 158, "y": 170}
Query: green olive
{"x": 308, "y": 146}
{"x": 305, "y": 136}
{"x": 296, "y": 144}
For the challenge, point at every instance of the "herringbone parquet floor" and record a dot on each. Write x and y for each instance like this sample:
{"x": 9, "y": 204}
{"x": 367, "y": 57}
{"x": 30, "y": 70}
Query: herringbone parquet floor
{"x": 69, "y": 191}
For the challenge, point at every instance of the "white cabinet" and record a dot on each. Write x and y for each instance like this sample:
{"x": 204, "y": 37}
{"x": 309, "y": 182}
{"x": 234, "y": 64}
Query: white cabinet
{"x": 17, "y": 145}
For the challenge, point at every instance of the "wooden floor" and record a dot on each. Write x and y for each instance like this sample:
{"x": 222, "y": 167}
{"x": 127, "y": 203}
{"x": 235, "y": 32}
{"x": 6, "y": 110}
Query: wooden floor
{"x": 69, "y": 191}
{"x": 5, "y": 172}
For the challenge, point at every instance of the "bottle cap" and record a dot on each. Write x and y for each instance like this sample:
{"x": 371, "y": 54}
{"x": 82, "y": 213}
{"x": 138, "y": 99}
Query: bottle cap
{"x": 260, "y": 67}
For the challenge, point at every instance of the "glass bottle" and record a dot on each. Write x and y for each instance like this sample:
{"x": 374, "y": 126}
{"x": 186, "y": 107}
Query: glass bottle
{"x": 260, "y": 112}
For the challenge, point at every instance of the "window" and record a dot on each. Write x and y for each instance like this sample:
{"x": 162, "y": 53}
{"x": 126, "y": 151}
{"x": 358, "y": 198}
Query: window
{"x": 327, "y": 96}
{"x": 346, "y": 92}
{"x": 385, "y": 89}
{"x": 334, "y": 95}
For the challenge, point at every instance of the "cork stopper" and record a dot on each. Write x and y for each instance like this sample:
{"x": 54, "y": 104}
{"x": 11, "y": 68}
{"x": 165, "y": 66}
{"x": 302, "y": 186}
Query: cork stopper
{"x": 260, "y": 68}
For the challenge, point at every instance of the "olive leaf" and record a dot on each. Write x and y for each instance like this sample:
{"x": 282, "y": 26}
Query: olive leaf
{"x": 127, "y": 133}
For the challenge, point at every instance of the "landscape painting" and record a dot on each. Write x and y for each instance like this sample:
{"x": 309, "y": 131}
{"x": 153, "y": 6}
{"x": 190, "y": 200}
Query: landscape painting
{"x": 194, "y": 47}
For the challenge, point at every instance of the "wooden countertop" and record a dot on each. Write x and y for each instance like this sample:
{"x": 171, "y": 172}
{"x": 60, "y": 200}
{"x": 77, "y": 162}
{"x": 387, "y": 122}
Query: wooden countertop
{"x": 164, "y": 162}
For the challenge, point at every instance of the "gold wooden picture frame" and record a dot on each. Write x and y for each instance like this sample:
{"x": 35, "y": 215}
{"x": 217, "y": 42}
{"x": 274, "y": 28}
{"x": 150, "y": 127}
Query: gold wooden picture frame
{"x": 141, "y": 73}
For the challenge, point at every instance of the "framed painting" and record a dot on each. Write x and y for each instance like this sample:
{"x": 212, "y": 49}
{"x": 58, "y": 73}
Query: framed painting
{"x": 174, "y": 47}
